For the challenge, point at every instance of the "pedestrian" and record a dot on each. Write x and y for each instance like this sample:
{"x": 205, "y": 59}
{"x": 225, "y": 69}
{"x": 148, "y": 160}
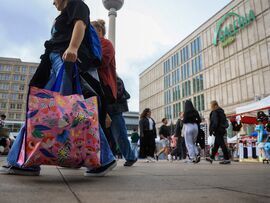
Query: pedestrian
{"x": 115, "y": 93}
{"x": 180, "y": 150}
{"x": 68, "y": 44}
{"x": 2, "y": 120}
{"x": 191, "y": 123}
{"x": 134, "y": 141}
{"x": 147, "y": 136}
{"x": 164, "y": 134}
{"x": 218, "y": 125}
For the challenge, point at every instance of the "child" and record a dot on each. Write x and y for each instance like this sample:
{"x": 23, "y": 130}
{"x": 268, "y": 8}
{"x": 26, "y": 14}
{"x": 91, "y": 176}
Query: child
{"x": 68, "y": 43}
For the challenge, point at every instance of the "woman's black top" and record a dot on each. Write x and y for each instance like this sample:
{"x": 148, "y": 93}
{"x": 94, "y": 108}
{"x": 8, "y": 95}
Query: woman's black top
{"x": 144, "y": 126}
{"x": 192, "y": 117}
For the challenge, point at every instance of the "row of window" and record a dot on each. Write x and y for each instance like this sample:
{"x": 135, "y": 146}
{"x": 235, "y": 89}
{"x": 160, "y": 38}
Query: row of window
{"x": 198, "y": 102}
{"x": 18, "y": 69}
{"x": 167, "y": 97}
{"x": 187, "y": 89}
{"x": 15, "y": 87}
{"x": 14, "y": 115}
{"x": 3, "y": 105}
{"x": 196, "y": 64}
{"x": 12, "y": 77}
{"x": 196, "y": 46}
{"x": 176, "y": 93}
{"x": 198, "y": 84}
{"x": 11, "y": 96}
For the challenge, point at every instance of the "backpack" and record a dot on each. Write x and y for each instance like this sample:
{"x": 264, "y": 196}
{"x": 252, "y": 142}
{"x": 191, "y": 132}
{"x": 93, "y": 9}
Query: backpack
{"x": 122, "y": 94}
{"x": 95, "y": 46}
{"x": 223, "y": 120}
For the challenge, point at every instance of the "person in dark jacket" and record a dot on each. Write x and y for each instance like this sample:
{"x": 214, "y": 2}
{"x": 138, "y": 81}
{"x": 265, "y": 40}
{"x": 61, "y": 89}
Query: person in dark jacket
{"x": 218, "y": 125}
{"x": 147, "y": 136}
{"x": 191, "y": 122}
{"x": 181, "y": 149}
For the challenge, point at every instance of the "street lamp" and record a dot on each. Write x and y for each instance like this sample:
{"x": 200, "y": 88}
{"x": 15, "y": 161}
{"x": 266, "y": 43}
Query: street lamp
{"x": 113, "y": 6}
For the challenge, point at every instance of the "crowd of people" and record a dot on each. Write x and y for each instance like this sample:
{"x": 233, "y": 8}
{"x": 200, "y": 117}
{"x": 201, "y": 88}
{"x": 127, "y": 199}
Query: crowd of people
{"x": 69, "y": 45}
{"x": 188, "y": 138}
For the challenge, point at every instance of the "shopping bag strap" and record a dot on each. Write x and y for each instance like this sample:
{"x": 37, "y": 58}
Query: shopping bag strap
{"x": 75, "y": 79}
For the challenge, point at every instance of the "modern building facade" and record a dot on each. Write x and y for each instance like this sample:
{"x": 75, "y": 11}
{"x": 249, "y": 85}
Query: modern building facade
{"x": 14, "y": 79}
{"x": 226, "y": 59}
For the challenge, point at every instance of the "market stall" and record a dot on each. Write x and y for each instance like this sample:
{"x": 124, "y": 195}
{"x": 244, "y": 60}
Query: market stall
{"x": 250, "y": 139}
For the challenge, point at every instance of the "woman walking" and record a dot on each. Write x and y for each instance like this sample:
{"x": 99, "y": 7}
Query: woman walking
{"x": 191, "y": 123}
{"x": 147, "y": 136}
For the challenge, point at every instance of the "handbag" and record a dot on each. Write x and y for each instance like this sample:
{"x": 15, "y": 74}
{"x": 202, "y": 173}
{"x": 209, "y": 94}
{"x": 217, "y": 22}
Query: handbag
{"x": 60, "y": 130}
{"x": 211, "y": 140}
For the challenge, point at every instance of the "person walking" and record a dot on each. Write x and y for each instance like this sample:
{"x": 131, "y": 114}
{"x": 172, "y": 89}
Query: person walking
{"x": 134, "y": 141}
{"x": 147, "y": 136}
{"x": 115, "y": 93}
{"x": 68, "y": 44}
{"x": 191, "y": 123}
{"x": 164, "y": 134}
{"x": 218, "y": 125}
{"x": 180, "y": 150}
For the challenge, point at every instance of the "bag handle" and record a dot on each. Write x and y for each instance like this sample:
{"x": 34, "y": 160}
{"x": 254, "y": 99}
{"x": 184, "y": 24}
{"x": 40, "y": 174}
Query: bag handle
{"x": 58, "y": 85}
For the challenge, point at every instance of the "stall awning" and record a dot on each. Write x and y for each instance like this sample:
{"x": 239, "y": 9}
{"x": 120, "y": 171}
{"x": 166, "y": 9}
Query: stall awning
{"x": 256, "y": 106}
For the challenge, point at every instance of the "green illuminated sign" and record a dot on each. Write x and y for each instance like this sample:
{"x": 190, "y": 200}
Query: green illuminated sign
{"x": 227, "y": 35}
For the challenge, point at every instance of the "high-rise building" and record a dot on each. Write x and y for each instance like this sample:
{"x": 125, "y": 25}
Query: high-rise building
{"x": 226, "y": 59}
{"x": 14, "y": 79}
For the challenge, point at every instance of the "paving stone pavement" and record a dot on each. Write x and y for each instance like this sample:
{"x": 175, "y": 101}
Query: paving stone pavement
{"x": 159, "y": 182}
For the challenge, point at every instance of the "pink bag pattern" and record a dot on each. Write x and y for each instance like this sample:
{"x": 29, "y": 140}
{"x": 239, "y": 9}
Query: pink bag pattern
{"x": 61, "y": 130}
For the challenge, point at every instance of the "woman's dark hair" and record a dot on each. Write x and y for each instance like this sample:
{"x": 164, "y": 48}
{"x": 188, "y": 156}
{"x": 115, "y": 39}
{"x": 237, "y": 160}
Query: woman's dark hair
{"x": 3, "y": 116}
{"x": 163, "y": 119}
{"x": 145, "y": 112}
{"x": 191, "y": 115}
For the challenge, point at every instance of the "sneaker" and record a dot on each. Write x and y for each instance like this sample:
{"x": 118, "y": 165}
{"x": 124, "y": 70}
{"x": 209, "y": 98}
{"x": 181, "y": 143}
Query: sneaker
{"x": 12, "y": 170}
{"x": 101, "y": 171}
{"x": 130, "y": 163}
{"x": 225, "y": 162}
{"x": 198, "y": 159}
{"x": 209, "y": 160}
{"x": 189, "y": 161}
{"x": 151, "y": 159}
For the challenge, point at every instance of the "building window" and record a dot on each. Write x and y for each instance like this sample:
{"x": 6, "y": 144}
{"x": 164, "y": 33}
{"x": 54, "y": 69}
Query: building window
{"x": 32, "y": 70}
{"x": 18, "y": 116}
{"x": 168, "y": 112}
{"x": 19, "y": 106}
{"x": 11, "y": 115}
{"x": 16, "y": 77}
{"x": 24, "y": 69}
{"x": 4, "y": 77}
{"x": 167, "y": 97}
{"x": 176, "y": 110}
{"x": 196, "y": 46}
{"x": 185, "y": 71}
{"x": 186, "y": 89}
{"x": 198, "y": 84}
{"x": 12, "y": 106}
{"x": 3, "y": 105}
{"x": 199, "y": 102}
{"x": 3, "y": 96}
{"x": 16, "y": 69}
{"x": 14, "y": 96}
{"x": 4, "y": 86}
{"x": 23, "y": 77}
{"x": 20, "y": 97}
{"x": 15, "y": 87}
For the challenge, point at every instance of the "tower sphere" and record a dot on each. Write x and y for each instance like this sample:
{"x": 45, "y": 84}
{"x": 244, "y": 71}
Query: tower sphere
{"x": 116, "y": 4}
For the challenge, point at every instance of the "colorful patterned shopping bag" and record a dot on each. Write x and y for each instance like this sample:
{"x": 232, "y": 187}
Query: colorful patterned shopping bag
{"x": 60, "y": 130}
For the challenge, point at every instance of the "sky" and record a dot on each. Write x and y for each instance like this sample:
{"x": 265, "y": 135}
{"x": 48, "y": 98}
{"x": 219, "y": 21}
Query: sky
{"x": 145, "y": 30}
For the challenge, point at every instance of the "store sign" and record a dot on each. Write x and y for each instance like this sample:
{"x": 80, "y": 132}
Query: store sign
{"x": 227, "y": 35}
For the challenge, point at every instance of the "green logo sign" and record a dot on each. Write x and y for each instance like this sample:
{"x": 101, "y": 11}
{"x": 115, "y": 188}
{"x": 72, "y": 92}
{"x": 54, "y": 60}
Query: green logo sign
{"x": 227, "y": 35}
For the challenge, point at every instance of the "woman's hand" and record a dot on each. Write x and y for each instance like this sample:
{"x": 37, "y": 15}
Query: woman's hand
{"x": 70, "y": 55}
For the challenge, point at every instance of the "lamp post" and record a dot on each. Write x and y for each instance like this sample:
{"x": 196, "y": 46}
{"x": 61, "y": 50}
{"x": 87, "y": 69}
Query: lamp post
{"x": 112, "y": 6}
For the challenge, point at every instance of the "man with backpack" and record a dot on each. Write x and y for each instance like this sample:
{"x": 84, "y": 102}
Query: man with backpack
{"x": 218, "y": 125}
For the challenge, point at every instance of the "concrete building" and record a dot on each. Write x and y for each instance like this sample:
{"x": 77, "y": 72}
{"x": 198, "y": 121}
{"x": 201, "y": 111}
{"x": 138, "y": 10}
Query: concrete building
{"x": 14, "y": 78}
{"x": 225, "y": 59}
